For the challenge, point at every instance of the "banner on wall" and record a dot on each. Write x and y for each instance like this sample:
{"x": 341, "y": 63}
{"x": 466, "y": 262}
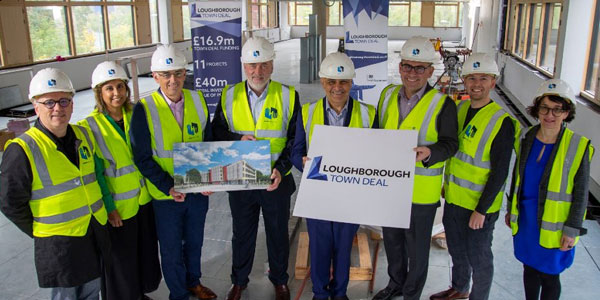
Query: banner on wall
{"x": 366, "y": 43}
{"x": 216, "y": 46}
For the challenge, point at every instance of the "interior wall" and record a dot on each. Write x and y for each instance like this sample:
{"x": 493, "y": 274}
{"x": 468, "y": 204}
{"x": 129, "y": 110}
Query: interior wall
{"x": 394, "y": 33}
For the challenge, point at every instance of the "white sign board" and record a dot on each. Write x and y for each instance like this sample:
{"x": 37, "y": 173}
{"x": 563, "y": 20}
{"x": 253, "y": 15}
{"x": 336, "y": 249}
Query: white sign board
{"x": 360, "y": 176}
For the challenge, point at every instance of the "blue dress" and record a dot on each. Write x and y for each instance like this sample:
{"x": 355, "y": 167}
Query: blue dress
{"x": 527, "y": 240}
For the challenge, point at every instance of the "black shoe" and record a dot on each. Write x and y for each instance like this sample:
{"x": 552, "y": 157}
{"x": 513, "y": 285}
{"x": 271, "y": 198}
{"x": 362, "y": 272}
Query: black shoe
{"x": 315, "y": 298}
{"x": 387, "y": 294}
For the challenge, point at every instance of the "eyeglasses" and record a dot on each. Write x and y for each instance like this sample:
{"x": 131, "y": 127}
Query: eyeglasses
{"x": 63, "y": 102}
{"x": 177, "y": 74}
{"x": 418, "y": 69}
{"x": 557, "y": 111}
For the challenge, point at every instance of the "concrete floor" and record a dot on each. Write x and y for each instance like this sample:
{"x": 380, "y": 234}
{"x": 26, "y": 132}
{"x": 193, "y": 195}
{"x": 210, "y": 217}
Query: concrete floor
{"x": 18, "y": 279}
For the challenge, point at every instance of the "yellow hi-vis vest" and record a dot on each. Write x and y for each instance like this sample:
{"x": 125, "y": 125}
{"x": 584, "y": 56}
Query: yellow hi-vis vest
{"x": 273, "y": 123}
{"x": 557, "y": 204}
{"x": 63, "y": 196}
{"x": 361, "y": 116}
{"x": 468, "y": 170}
{"x": 428, "y": 181}
{"x": 165, "y": 131}
{"x": 124, "y": 180}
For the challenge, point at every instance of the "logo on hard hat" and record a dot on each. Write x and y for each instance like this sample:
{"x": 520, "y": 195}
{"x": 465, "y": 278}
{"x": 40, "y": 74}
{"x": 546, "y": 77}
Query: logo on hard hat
{"x": 416, "y": 51}
{"x": 340, "y": 69}
{"x": 256, "y": 53}
{"x": 552, "y": 85}
{"x": 169, "y": 61}
{"x": 476, "y": 65}
{"x": 51, "y": 82}
{"x": 111, "y": 72}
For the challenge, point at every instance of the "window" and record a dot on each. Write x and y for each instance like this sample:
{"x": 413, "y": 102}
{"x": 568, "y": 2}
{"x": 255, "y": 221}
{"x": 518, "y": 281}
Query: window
{"x": 533, "y": 32}
{"x": 298, "y": 12}
{"x": 335, "y": 14}
{"x": 48, "y": 32}
{"x": 447, "y": 14}
{"x": 79, "y": 27}
{"x": 404, "y": 13}
{"x": 592, "y": 88}
{"x": 263, "y": 13}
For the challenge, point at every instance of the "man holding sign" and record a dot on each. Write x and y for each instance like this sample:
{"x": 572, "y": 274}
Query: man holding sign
{"x": 260, "y": 109}
{"x": 416, "y": 105}
{"x": 331, "y": 240}
{"x": 172, "y": 115}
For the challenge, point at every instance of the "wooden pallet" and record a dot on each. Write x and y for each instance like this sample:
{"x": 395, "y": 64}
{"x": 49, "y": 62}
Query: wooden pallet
{"x": 363, "y": 272}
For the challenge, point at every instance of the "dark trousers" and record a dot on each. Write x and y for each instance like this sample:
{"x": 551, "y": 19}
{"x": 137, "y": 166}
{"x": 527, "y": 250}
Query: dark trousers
{"x": 180, "y": 229}
{"x": 407, "y": 251}
{"x": 471, "y": 251}
{"x": 534, "y": 280}
{"x": 245, "y": 211}
{"x": 135, "y": 266}
{"x": 122, "y": 280}
{"x": 149, "y": 264}
{"x": 330, "y": 242}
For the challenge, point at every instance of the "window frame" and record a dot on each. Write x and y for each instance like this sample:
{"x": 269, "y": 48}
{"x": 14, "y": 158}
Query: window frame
{"x": 519, "y": 9}
{"x": 294, "y": 4}
{"x": 68, "y": 6}
{"x": 593, "y": 58}
{"x": 459, "y": 9}
{"x": 272, "y": 9}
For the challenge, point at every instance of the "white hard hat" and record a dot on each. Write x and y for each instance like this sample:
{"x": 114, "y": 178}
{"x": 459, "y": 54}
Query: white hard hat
{"x": 480, "y": 63}
{"x": 257, "y": 50}
{"x": 167, "y": 58}
{"x": 50, "y": 80}
{"x": 107, "y": 71}
{"x": 419, "y": 48}
{"x": 337, "y": 65}
{"x": 556, "y": 87}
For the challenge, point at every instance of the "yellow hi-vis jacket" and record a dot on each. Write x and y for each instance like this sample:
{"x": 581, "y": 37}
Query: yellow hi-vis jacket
{"x": 273, "y": 123}
{"x": 124, "y": 180}
{"x": 428, "y": 181}
{"x": 468, "y": 170}
{"x": 165, "y": 131}
{"x": 361, "y": 116}
{"x": 557, "y": 204}
{"x": 63, "y": 196}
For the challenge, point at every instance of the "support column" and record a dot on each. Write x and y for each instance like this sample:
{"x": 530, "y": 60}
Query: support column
{"x": 165, "y": 22}
{"x": 319, "y": 9}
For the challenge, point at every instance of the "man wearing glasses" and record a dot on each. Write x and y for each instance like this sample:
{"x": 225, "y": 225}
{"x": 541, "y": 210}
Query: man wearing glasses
{"x": 260, "y": 109}
{"x": 172, "y": 115}
{"x": 415, "y": 105}
{"x": 49, "y": 190}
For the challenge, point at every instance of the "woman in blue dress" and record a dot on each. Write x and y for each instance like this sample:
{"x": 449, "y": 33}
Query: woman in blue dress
{"x": 550, "y": 191}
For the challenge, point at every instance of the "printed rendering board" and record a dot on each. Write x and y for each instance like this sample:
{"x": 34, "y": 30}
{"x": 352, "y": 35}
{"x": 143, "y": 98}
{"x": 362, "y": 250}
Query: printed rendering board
{"x": 222, "y": 166}
{"x": 360, "y": 176}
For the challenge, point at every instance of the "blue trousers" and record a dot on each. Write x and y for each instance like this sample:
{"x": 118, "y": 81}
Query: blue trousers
{"x": 180, "y": 230}
{"x": 86, "y": 291}
{"x": 330, "y": 242}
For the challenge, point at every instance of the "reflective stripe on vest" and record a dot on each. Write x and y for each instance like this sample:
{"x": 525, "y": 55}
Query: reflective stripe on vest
{"x": 63, "y": 208}
{"x": 364, "y": 111}
{"x": 166, "y": 131}
{"x": 468, "y": 170}
{"x": 278, "y": 103}
{"x": 125, "y": 183}
{"x": 428, "y": 181}
{"x": 557, "y": 204}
